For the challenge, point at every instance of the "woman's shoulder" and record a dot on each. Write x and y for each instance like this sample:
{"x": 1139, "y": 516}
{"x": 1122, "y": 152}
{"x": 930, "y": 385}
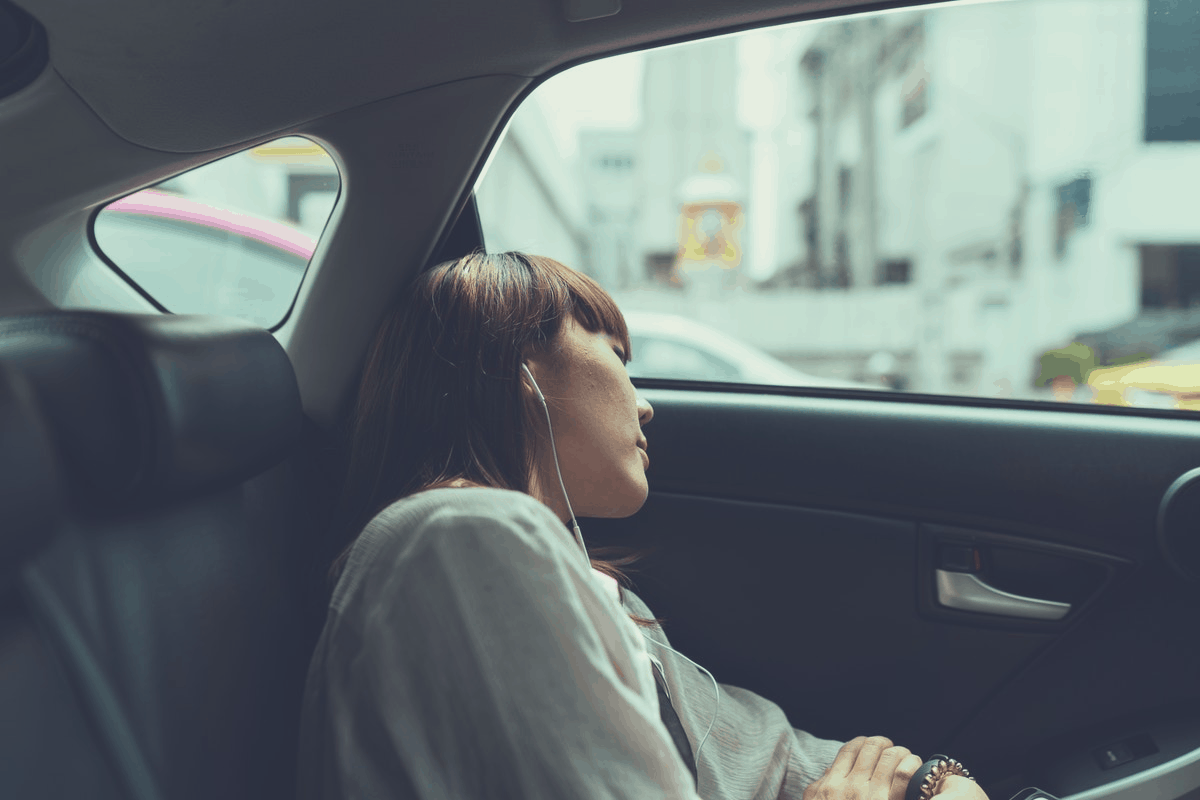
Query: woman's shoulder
{"x": 448, "y": 519}
{"x": 466, "y": 502}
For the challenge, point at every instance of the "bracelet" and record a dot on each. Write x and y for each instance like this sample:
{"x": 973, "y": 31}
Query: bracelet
{"x": 927, "y": 780}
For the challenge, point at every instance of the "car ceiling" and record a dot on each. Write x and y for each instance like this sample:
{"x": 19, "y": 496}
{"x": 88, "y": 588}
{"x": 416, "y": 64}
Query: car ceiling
{"x": 409, "y": 97}
{"x": 188, "y": 77}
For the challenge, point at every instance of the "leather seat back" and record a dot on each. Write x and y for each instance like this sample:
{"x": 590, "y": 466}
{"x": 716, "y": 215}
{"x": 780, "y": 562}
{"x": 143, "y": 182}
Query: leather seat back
{"x": 174, "y": 592}
{"x": 46, "y": 747}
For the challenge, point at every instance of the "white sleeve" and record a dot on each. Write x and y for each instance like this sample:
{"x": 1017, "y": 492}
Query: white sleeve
{"x": 478, "y": 659}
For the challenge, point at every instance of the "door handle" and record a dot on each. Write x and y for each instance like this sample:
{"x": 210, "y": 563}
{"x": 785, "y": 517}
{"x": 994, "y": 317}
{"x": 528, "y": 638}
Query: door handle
{"x": 966, "y": 592}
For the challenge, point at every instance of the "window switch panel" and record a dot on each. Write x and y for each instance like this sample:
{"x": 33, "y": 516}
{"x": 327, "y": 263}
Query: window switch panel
{"x": 1113, "y": 755}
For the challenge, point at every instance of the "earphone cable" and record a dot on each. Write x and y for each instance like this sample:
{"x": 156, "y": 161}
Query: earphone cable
{"x": 588, "y": 563}
{"x": 716, "y": 691}
{"x": 561, "y": 484}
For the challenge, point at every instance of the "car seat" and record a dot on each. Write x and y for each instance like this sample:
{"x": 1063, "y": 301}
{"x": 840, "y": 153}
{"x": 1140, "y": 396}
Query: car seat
{"x": 165, "y": 627}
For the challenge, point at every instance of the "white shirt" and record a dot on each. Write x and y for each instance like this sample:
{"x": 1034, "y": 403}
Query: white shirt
{"x": 469, "y": 652}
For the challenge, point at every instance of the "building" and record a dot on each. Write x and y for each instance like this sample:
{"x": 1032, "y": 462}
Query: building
{"x": 609, "y": 161}
{"x": 531, "y": 197}
{"x": 987, "y": 167}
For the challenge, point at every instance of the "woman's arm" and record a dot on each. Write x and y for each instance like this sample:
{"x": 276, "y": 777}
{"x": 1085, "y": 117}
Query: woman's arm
{"x": 810, "y": 758}
{"x": 477, "y": 659}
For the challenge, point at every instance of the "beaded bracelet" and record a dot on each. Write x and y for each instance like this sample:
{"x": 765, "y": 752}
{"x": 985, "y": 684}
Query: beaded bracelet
{"x": 926, "y": 781}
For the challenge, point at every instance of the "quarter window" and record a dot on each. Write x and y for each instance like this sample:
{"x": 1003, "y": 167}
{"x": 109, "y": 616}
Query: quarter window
{"x": 233, "y": 237}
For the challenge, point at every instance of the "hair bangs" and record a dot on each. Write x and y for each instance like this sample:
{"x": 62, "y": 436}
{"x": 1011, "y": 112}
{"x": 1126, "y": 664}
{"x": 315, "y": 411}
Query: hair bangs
{"x": 584, "y": 299}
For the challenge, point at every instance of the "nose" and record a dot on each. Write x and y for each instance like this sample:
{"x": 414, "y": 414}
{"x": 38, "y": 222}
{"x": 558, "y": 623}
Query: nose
{"x": 645, "y": 410}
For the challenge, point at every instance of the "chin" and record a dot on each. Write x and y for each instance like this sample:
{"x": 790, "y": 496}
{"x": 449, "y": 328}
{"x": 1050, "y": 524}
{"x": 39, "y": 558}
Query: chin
{"x": 634, "y": 506}
{"x": 613, "y": 502}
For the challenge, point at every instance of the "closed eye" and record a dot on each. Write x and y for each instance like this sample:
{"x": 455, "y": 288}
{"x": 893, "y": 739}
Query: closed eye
{"x": 621, "y": 355}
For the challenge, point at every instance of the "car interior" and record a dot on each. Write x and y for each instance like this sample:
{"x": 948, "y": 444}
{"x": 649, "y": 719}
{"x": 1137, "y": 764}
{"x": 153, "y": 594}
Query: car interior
{"x": 1015, "y": 583}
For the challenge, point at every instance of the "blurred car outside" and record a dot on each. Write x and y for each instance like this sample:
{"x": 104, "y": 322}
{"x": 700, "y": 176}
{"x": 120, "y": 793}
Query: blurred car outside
{"x": 293, "y": 244}
{"x": 1149, "y": 361}
{"x": 675, "y": 347}
{"x": 194, "y": 257}
{"x": 1170, "y": 380}
{"x": 1149, "y": 333}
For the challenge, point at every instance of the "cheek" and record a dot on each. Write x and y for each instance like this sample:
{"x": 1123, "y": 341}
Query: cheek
{"x": 596, "y": 405}
{"x": 598, "y": 421}
{"x": 598, "y": 437}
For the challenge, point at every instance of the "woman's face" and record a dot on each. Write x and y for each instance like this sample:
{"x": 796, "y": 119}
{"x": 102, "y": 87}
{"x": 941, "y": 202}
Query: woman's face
{"x": 597, "y": 418}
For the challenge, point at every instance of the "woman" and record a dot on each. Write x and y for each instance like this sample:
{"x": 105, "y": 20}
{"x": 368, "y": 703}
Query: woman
{"x": 471, "y": 648}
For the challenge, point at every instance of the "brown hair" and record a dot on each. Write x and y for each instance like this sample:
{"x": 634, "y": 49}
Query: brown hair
{"x": 440, "y": 398}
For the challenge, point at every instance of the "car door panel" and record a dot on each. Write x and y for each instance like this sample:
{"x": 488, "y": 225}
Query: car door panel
{"x": 816, "y": 610}
{"x": 1083, "y": 476}
{"x": 793, "y": 543}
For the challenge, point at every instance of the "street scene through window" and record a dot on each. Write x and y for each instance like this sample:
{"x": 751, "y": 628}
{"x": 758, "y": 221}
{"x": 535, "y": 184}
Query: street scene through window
{"x": 988, "y": 199}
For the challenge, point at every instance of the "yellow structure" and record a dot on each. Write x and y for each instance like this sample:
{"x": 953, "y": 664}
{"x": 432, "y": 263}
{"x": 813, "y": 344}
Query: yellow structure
{"x": 708, "y": 234}
{"x": 710, "y": 219}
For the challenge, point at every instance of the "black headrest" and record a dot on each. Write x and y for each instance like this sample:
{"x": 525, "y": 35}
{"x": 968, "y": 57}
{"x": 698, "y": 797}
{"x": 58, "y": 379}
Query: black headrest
{"x": 155, "y": 406}
{"x": 29, "y": 500}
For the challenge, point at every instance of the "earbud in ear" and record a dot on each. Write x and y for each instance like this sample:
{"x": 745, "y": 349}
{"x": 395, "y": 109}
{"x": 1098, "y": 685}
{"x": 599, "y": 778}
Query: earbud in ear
{"x": 536, "y": 388}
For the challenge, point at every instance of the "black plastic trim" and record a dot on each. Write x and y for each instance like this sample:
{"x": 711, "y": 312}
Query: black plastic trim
{"x": 462, "y": 236}
{"x": 968, "y": 401}
{"x": 103, "y": 256}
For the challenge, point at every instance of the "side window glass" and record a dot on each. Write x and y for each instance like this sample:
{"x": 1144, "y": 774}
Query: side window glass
{"x": 233, "y": 237}
{"x": 975, "y": 199}
{"x": 664, "y": 358}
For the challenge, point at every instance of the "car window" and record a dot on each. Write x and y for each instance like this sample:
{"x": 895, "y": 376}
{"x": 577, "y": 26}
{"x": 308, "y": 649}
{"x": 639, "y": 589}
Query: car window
{"x": 983, "y": 199}
{"x": 233, "y": 237}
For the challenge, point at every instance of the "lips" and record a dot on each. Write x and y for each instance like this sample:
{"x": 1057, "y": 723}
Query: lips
{"x": 645, "y": 457}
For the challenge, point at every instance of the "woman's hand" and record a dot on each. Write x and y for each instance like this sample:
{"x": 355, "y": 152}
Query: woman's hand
{"x": 869, "y": 769}
{"x": 956, "y": 787}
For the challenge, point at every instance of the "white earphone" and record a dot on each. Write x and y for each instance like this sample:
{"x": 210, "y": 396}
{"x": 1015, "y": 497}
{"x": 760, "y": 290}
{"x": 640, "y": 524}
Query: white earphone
{"x": 554, "y": 451}
{"x": 588, "y": 563}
